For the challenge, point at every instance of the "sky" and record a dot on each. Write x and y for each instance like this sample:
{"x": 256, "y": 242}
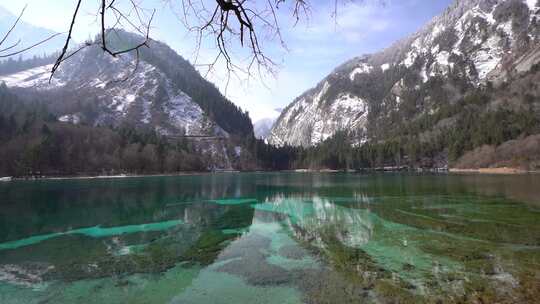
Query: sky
{"x": 312, "y": 48}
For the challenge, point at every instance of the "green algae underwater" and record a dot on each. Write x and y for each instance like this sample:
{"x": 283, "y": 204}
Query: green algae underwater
{"x": 272, "y": 238}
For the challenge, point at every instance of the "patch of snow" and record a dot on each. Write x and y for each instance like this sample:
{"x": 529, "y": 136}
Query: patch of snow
{"x": 532, "y": 4}
{"x": 409, "y": 60}
{"x": 442, "y": 58}
{"x": 323, "y": 91}
{"x": 319, "y": 132}
{"x": 424, "y": 75}
{"x": 385, "y": 67}
{"x": 130, "y": 98}
{"x": 476, "y": 12}
{"x": 416, "y": 49}
{"x": 238, "y": 151}
{"x": 35, "y": 77}
{"x": 70, "y": 118}
{"x": 147, "y": 104}
{"x": 412, "y": 54}
{"x": 507, "y": 29}
{"x": 435, "y": 50}
{"x": 487, "y": 59}
{"x": 139, "y": 89}
{"x": 98, "y": 83}
{"x": 352, "y": 108}
{"x": 120, "y": 103}
{"x": 346, "y": 101}
{"x": 363, "y": 68}
{"x": 439, "y": 28}
{"x": 184, "y": 113}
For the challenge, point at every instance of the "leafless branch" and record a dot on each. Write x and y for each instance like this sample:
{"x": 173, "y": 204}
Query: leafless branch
{"x": 60, "y": 58}
{"x": 120, "y": 16}
{"x": 226, "y": 21}
{"x": 13, "y": 26}
{"x": 11, "y": 48}
{"x": 116, "y": 53}
{"x": 29, "y": 47}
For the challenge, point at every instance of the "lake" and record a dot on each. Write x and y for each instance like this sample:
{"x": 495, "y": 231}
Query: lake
{"x": 272, "y": 238}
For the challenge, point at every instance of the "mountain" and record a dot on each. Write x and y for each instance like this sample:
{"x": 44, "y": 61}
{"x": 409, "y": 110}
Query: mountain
{"x": 28, "y": 35}
{"x": 479, "y": 56}
{"x": 262, "y": 127}
{"x": 121, "y": 112}
{"x": 159, "y": 90}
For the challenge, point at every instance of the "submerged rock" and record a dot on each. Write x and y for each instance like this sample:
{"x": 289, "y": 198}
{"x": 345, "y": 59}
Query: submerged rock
{"x": 27, "y": 275}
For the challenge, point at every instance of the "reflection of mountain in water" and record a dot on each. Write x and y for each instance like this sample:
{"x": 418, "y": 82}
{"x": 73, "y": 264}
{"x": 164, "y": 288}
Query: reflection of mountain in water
{"x": 323, "y": 223}
{"x": 307, "y": 218}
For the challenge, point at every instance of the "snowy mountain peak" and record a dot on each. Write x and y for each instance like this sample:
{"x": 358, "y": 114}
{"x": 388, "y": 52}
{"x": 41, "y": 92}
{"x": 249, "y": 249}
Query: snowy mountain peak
{"x": 100, "y": 89}
{"x": 473, "y": 43}
{"x": 263, "y": 127}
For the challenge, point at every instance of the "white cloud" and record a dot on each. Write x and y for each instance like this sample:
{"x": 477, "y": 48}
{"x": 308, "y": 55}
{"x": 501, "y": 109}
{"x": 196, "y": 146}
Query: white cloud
{"x": 354, "y": 21}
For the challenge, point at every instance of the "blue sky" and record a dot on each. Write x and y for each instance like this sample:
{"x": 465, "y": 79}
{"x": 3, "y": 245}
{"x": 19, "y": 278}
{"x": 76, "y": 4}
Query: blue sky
{"x": 314, "y": 47}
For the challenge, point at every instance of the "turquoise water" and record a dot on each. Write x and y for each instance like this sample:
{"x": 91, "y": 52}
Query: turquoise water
{"x": 272, "y": 238}
{"x": 96, "y": 232}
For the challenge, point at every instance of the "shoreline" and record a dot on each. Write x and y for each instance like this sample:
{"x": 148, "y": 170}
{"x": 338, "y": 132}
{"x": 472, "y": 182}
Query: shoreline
{"x": 487, "y": 171}
{"x": 499, "y": 171}
{"x": 118, "y": 176}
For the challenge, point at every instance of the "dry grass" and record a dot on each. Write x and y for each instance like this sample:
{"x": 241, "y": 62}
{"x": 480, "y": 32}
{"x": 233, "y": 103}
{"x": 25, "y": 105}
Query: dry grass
{"x": 514, "y": 156}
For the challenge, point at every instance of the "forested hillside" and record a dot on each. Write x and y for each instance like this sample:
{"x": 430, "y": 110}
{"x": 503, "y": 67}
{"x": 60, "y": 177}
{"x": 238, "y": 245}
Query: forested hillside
{"x": 467, "y": 79}
{"x": 35, "y": 143}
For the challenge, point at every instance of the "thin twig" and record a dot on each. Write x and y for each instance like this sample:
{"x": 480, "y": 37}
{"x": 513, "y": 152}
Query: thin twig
{"x": 30, "y": 47}
{"x": 59, "y": 60}
{"x": 13, "y": 26}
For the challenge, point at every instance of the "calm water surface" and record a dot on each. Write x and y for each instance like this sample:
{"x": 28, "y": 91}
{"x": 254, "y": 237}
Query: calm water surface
{"x": 272, "y": 238}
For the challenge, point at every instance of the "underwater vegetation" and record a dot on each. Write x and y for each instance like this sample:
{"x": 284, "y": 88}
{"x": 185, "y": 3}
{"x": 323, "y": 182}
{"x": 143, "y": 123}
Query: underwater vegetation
{"x": 322, "y": 245}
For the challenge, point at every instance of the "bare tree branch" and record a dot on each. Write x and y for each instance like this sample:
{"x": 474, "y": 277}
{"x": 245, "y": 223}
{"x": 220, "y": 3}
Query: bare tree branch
{"x": 13, "y": 26}
{"x": 14, "y": 45}
{"x": 227, "y": 21}
{"x": 120, "y": 16}
{"x": 11, "y": 47}
{"x": 60, "y": 58}
{"x": 136, "y": 47}
{"x": 29, "y": 47}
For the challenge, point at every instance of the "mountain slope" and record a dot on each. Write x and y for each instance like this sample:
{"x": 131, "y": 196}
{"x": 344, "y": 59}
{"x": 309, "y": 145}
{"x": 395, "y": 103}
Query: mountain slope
{"x": 125, "y": 114}
{"x": 473, "y": 45}
{"x": 262, "y": 127}
{"x": 158, "y": 90}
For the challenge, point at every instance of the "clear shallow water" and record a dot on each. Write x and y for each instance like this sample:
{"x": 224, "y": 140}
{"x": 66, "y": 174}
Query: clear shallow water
{"x": 272, "y": 238}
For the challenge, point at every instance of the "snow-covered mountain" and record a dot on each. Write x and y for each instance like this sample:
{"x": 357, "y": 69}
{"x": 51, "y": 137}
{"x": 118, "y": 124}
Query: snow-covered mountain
{"x": 159, "y": 90}
{"x": 262, "y": 127}
{"x": 473, "y": 44}
{"x": 141, "y": 96}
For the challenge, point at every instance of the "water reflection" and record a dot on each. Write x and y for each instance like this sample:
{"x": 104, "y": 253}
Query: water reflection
{"x": 268, "y": 238}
